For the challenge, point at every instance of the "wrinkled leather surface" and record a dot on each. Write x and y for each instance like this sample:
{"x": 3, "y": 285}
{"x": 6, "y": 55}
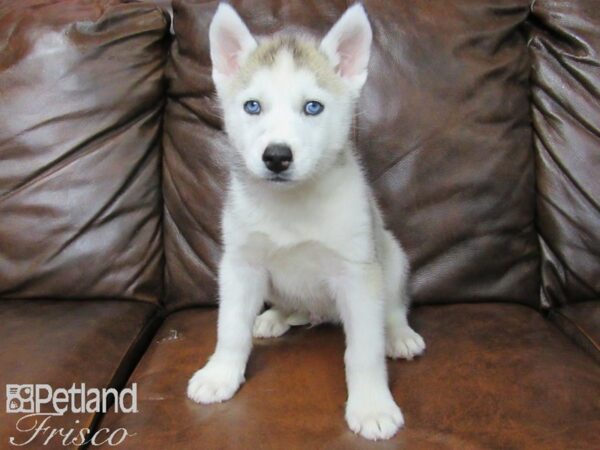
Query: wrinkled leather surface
{"x": 60, "y": 342}
{"x": 443, "y": 130}
{"x": 581, "y": 322}
{"x": 565, "y": 48}
{"x": 81, "y": 88}
{"x": 493, "y": 376}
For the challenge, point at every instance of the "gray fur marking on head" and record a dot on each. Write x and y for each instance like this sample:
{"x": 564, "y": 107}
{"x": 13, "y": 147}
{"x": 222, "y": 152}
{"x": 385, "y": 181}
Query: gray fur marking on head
{"x": 304, "y": 52}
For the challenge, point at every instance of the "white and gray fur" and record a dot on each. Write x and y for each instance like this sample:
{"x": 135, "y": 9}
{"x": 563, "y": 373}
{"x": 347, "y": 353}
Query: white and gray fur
{"x": 313, "y": 245}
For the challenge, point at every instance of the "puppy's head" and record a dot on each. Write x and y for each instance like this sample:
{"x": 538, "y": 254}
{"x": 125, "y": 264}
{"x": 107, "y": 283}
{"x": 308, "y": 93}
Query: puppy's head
{"x": 288, "y": 100}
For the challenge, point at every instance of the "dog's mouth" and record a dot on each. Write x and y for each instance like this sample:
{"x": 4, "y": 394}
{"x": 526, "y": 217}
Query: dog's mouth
{"x": 278, "y": 179}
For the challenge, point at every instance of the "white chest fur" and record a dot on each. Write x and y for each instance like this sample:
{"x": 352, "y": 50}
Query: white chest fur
{"x": 303, "y": 237}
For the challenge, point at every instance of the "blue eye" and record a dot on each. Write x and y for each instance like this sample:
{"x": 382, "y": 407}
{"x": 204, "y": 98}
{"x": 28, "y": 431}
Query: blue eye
{"x": 312, "y": 108}
{"x": 252, "y": 107}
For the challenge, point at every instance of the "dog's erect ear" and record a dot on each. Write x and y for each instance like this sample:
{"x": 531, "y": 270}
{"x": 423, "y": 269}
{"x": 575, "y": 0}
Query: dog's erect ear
{"x": 348, "y": 45}
{"x": 230, "y": 42}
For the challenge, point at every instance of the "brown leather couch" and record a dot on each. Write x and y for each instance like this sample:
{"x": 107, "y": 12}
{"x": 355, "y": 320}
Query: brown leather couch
{"x": 479, "y": 128}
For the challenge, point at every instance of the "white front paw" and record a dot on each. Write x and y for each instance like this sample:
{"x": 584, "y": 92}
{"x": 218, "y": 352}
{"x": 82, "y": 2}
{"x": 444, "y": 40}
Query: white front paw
{"x": 270, "y": 324}
{"x": 374, "y": 419}
{"x": 404, "y": 343}
{"x": 214, "y": 383}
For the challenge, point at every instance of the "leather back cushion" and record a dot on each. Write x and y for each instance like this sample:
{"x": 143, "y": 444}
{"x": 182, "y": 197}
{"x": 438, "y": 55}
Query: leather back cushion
{"x": 565, "y": 47}
{"x": 81, "y": 87}
{"x": 443, "y": 130}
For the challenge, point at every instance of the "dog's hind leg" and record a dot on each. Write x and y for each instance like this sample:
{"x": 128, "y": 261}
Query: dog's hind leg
{"x": 401, "y": 340}
{"x": 277, "y": 320}
{"x": 271, "y": 323}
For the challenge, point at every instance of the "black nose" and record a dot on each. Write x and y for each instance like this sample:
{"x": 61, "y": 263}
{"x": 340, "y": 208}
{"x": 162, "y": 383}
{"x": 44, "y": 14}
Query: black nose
{"x": 277, "y": 157}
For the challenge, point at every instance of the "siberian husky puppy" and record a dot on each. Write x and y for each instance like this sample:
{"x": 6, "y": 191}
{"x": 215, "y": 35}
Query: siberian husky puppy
{"x": 301, "y": 229}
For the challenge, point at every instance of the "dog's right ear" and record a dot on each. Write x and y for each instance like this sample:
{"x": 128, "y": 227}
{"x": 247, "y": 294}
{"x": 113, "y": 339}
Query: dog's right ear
{"x": 230, "y": 42}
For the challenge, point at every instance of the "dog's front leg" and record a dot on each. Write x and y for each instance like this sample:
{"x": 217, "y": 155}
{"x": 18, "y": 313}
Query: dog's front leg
{"x": 371, "y": 410}
{"x": 242, "y": 290}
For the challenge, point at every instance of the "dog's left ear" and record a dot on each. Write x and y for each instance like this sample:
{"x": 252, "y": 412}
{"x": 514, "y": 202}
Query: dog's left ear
{"x": 348, "y": 45}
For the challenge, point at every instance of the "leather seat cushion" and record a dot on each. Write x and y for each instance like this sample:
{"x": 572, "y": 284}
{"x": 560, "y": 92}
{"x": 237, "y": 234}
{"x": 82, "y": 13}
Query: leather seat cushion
{"x": 493, "y": 376}
{"x": 61, "y": 342}
{"x": 581, "y": 322}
